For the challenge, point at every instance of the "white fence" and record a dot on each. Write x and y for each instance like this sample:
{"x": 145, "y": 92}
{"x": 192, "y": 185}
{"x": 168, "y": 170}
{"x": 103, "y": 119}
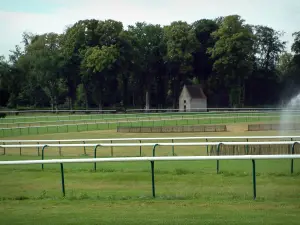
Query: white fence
{"x": 152, "y": 160}
{"x": 47, "y": 143}
{"x": 153, "y": 139}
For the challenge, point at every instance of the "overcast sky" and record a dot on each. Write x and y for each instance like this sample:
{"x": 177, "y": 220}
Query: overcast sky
{"x": 41, "y": 16}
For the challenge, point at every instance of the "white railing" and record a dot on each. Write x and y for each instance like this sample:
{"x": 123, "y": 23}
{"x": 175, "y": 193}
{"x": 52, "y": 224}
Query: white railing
{"x": 152, "y": 160}
{"x": 153, "y": 139}
{"x": 153, "y": 145}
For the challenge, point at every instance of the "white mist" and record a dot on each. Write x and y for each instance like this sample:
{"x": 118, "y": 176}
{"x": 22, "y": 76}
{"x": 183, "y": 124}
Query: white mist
{"x": 289, "y": 115}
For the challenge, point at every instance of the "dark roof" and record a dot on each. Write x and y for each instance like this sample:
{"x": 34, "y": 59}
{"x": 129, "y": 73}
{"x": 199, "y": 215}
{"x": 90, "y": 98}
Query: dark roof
{"x": 195, "y": 91}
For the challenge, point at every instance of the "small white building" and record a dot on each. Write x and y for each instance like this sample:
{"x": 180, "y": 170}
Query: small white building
{"x": 192, "y": 98}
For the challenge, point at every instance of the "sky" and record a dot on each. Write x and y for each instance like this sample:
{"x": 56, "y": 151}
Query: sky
{"x": 41, "y": 16}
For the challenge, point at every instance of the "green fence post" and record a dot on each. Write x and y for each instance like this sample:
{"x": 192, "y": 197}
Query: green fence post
{"x": 4, "y": 150}
{"x": 206, "y": 147}
{"x": 152, "y": 171}
{"x": 173, "y": 148}
{"x": 95, "y": 156}
{"x": 111, "y": 149}
{"x": 84, "y": 150}
{"x": 140, "y": 148}
{"x": 247, "y": 147}
{"x": 38, "y": 149}
{"x": 62, "y": 179}
{"x": 152, "y": 179}
{"x": 59, "y": 149}
{"x": 254, "y": 179}
{"x": 292, "y": 160}
{"x": 20, "y": 148}
{"x": 153, "y": 150}
{"x": 43, "y": 150}
{"x": 218, "y": 153}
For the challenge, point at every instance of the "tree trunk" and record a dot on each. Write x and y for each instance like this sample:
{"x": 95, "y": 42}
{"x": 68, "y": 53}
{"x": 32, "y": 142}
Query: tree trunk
{"x": 147, "y": 100}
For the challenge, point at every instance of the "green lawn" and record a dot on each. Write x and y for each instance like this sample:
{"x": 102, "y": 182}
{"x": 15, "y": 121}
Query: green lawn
{"x": 120, "y": 193}
{"x": 79, "y": 126}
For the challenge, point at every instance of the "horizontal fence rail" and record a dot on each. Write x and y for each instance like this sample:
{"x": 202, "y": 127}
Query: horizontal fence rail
{"x": 247, "y": 148}
{"x": 111, "y": 140}
{"x": 154, "y": 138}
{"x": 158, "y": 144}
{"x": 152, "y": 160}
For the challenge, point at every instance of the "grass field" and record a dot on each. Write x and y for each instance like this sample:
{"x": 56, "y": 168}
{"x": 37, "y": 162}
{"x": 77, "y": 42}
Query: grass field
{"x": 18, "y": 126}
{"x": 120, "y": 193}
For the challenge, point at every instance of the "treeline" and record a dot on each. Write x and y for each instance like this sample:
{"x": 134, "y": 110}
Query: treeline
{"x": 101, "y": 64}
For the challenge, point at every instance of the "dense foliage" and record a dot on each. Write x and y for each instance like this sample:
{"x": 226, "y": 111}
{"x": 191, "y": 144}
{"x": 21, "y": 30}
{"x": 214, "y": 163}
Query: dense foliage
{"x": 102, "y": 64}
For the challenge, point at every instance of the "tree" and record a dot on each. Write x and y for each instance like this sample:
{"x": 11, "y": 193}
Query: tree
{"x": 98, "y": 61}
{"x": 296, "y": 49}
{"x": 147, "y": 39}
{"x": 45, "y": 54}
{"x": 268, "y": 47}
{"x": 284, "y": 65}
{"x": 4, "y": 76}
{"x": 181, "y": 42}
{"x": 203, "y": 64}
{"x": 72, "y": 43}
{"x": 233, "y": 54}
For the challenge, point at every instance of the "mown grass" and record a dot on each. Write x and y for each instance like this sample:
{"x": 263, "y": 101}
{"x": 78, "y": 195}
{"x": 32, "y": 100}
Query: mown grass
{"x": 120, "y": 193}
{"x": 112, "y": 125}
{"x": 51, "y": 117}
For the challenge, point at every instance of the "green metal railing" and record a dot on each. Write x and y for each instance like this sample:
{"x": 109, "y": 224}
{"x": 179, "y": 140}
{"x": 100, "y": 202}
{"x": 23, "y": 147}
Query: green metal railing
{"x": 152, "y": 160}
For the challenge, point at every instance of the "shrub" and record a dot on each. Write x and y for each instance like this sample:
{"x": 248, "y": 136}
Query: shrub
{"x": 2, "y": 115}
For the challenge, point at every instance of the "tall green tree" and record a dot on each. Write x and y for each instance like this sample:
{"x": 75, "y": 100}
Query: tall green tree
{"x": 45, "y": 53}
{"x": 148, "y": 42}
{"x": 233, "y": 54}
{"x": 268, "y": 47}
{"x": 181, "y": 42}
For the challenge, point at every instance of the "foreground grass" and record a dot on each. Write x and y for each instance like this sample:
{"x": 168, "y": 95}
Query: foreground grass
{"x": 155, "y": 212}
{"x": 120, "y": 193}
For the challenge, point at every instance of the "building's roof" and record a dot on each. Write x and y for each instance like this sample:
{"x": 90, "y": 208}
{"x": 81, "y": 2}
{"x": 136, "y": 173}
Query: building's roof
{"x": 195, "y": 91}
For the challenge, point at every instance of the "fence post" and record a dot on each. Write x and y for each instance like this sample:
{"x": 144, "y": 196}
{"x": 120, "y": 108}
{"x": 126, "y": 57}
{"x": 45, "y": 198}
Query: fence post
{"x": 43, "y": 150}
{"x": 4, "y": 150}
{"x": 153, "y": 150}
{"x": 38, "y": 149}
{"x": 206, "y": 147}
{"x": 218, "y": 153}
{"x": 111, "y": 149}
{"x": 292, "y": 160}
{"x": 20, "y": 148}
{"x": 152, "y": 179}
{"x": 95, "y": 156}
{"x": 62, "y": 179}
{"x": 84, "y": 150}
{"x": 152, "y": 171}
{"x": 254, "y": 179}
{"x": 247, "y": 147}
{"x": 173, "y": 147}
{"x": 59, "y": 149}
{"x": 140, "y": 148}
